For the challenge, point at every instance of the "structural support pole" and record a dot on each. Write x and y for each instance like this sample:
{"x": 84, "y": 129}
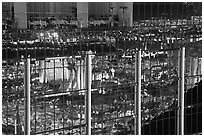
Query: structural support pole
{"x": 82, "y": 14}
{"x": 27, "y": 97}
{"x": 88, "y": 94}
{"x": 137, "y": 94}
{"x": 180, "y": 113}
{"x": 20, "y": 14}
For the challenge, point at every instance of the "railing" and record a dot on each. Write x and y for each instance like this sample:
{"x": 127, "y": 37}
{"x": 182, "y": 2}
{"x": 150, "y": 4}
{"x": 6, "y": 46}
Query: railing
{"x": 135, "y": 81}
{"x": 101, "y": 94}
{"x": 144, "y": 79}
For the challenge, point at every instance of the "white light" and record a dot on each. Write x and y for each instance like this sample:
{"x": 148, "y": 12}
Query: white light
{"x": 41, "y": 34}
{"x": 49, "y": 35}
{"x": 54, "y": 34}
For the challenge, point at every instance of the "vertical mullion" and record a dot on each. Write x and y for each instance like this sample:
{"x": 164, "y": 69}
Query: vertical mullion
{"x": 72, "y": 89}
{"x": 137, "y": 97}
{"x": 44, "y": 93}
{"x": 63, "y": 106}
{"x": 88, "y": 94}
{"x": 16, "y": 98}
{"x": 80, "y": 88}
{"x": 150, "y": 80}
{"x": 54, "y": 96}
{"x": 180, "y": 117}
{"x": 44, "y": 80}
{"x": 27, "y": 97}
{"x": 34, "y": 96}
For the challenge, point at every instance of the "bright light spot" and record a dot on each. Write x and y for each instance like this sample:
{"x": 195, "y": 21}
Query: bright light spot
{"x": 41, "y": 34}
{"x": 55, "y": 34}
{"x": 49, "y": 35}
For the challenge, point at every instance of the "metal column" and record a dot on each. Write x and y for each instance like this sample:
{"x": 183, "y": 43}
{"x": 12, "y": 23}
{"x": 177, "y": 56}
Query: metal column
{"x": 137, "y": 94}
{"x": 82, "y": 14}
{"x": 180, "y": 113}
{"x": 88, "y": 93}
{"x": 27, "y": 97}
{"x": 20, "y": 14}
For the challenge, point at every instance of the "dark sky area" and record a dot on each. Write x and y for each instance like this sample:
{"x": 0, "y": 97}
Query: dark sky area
{"x": 170, "y": 10}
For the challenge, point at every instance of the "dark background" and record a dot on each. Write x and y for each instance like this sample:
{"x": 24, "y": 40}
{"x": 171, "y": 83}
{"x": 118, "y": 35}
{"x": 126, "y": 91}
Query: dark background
{"x": 168, "y": 10}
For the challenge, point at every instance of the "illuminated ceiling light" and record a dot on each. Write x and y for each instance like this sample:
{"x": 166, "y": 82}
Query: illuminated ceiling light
{"x": 55, "y": 34}
{"x": 41, "y": 34}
